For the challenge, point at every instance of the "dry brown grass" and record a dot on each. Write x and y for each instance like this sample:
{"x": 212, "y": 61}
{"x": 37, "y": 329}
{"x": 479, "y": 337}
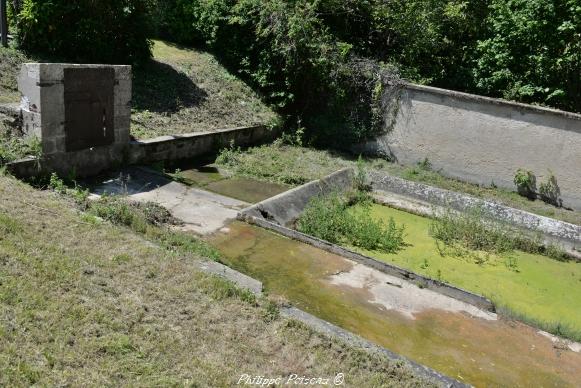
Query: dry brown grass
{"x": 84, "y": 302}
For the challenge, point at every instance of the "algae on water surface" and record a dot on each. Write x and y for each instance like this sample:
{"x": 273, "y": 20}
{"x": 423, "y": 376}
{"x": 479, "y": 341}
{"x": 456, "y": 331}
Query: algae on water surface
{"x": 531, "y": 285}
{"x": 477, "y": 351}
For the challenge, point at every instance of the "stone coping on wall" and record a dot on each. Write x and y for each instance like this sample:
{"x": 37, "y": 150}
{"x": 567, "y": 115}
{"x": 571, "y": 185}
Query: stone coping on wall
{"x": 10, "y": 109}
{"x": 554, "y": 231}
{"x": 93, "y": 161}
{"x": 495, "y": 101}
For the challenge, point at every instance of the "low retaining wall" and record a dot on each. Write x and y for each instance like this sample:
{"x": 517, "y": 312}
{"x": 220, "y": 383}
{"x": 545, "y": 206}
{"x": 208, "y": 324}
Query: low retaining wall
{"x": 191, "y": 145}
{"x": 167, "y": 148}
{"x": 484, "y": 140}
{"x": 286, "y": 207}
{"x": 554, "y": 231}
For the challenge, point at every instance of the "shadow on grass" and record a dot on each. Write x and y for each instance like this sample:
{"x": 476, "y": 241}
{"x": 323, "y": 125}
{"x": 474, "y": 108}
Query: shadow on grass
{"x": 160, "y": 88}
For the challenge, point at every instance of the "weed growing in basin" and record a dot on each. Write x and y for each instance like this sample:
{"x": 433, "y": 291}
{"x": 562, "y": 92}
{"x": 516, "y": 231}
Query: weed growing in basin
{"x": 331, "y": 218}
{"x": 557, "y": 328}
{"x": 229, "y": 156}
{"x": 14, "y": 147}
{"x": 468, "y": 230}
{"x": 474, "y": 233}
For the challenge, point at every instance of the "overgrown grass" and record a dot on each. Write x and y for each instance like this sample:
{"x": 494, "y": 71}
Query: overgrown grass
{"x": 294, "y": 164}
{"x": 477, "y": 231}
{"x": 186, "y": 90}
{"x": 14, "y": 147}
{"x": 555, "y": 327}
{"x": 85, "y": 302}
{"x": 329, "y": 218}
{"x": 10, "y": 62}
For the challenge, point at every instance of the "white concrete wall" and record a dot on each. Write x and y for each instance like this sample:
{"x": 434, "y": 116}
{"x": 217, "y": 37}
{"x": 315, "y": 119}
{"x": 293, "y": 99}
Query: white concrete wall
{"x": 484, "y": 140}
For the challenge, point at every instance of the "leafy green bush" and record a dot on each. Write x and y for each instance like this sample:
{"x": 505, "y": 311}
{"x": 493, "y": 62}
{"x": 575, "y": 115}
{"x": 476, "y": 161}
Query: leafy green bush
{"x": 526, "y": 183}
{"x": 550, "y": 192}
{"x": 330, "y": 218}
{"x": 105, "y": 31}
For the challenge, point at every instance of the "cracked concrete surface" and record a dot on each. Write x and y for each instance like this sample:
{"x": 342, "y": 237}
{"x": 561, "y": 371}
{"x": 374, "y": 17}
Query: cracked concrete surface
{"x": 396, "y": 294}
{"x": 201, "y": 211}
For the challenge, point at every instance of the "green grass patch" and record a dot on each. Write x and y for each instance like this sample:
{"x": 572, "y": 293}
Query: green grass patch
{"x": 14, "y": 147}
{"x": 533, "y": 287}
{"x": 187, "y": 90}
{"x": 152, "y": 221}
{"x": 96, "y": 304}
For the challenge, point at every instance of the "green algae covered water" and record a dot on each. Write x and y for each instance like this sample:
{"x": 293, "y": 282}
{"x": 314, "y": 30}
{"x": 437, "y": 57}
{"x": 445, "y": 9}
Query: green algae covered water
{"x": 482, "y": 352}
{"x": 536, "y": 286}
{"x": 244, "y": 189}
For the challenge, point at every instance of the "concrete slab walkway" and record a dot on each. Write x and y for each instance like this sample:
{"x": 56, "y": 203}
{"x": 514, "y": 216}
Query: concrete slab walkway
{"x": 201, "y": 211}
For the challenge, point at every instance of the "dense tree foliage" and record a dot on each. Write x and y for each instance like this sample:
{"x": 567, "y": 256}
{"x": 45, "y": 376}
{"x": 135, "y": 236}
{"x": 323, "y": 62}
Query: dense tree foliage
{"x": 110, "y": 31}
{"x": 329, "y": 64}
{"x": 532, "y": 52}
{"x": 329, "y": 61}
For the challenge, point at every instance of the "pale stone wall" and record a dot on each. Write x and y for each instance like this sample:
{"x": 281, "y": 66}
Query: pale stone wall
{"x": 484, "y": 140}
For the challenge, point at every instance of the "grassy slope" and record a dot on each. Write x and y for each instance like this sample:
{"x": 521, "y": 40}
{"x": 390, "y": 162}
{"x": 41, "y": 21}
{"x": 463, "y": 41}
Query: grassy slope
{"x": 180, "y": 90}
{"x": 185, "y": 90}
{"x": 297, "y": 165}
{"x": 542, "y": 289}
{"x": 84, "y": 302}
{"x": 10, "y": 61}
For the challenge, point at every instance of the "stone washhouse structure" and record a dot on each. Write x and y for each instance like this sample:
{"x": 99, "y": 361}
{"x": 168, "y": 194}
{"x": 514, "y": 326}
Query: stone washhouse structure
{"x": 82, "y": 116}
{"x": 83, "y": 111}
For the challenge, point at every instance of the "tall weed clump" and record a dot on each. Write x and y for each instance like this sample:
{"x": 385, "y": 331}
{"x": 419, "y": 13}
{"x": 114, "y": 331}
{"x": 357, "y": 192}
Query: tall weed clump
{"x": 331, "y": 218}
{"x": 476, "y": 230}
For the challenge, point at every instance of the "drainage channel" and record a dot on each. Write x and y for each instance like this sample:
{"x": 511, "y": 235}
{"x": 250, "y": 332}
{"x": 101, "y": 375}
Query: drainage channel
{"x": 455, "y": 338}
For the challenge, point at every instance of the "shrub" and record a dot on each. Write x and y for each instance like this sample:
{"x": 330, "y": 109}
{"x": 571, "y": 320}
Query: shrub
{"x": 476, "y": 230}
{"x": 105, "y": 31}
{"x": 526, "y": 183}
{"x": 472, "y": 232}
{"x": 531, "y": 52}
{"x": 550, "y": 191}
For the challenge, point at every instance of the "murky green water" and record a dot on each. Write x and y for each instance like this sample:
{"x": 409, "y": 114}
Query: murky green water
{"x": 243, "y": 189}
{"x": 477, "y": 351}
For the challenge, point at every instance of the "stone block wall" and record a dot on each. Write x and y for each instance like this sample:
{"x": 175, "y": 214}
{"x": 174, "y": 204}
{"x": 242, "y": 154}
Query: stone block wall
{"x": 42, "y": 86}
